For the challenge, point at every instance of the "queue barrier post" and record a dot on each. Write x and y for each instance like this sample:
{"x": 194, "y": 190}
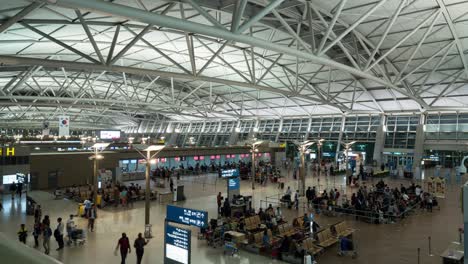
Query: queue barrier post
{"x": 430, "y": 247}
{"x": 419, "y": 253}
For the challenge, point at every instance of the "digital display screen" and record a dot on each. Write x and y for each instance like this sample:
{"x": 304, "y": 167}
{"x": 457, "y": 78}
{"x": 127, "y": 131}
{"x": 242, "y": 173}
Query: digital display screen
{"x": 177, "y": 245}
{"x": 186, "y": 216}
{"x": 234, "y": 184}
{"x": 229, "y": 173}
{"x": 125, "y": 161}
{"x": 9, "y": 179}
{"x": 109, "y": 134}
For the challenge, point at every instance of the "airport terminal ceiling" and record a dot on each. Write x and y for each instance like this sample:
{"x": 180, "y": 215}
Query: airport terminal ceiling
{"x": 115, "y": 63}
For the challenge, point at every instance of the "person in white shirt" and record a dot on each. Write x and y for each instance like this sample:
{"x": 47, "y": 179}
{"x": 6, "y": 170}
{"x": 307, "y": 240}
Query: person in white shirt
{"x": 70, "y": 228}
{"x": 58, "y": 233}
{"x": 278, "y": 214}
{"x": 418, "y": 190}
{"x": 405, "y": 197}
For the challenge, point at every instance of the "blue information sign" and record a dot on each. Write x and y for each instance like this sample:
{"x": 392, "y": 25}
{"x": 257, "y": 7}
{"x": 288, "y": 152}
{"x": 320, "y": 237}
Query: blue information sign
{"x": 186, "y": 216}
{"x": 176, "y": 245}
{"x": 234, "y": 184}
{"x": 230, "y": 173}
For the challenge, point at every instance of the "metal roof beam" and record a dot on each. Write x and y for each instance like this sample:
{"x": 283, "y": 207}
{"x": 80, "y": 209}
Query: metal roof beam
{"x": 14, "y": 19}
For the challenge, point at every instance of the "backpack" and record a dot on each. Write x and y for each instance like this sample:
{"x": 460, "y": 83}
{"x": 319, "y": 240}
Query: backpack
{"x": 48, "y": 232}
{"x": 56, "y": 233}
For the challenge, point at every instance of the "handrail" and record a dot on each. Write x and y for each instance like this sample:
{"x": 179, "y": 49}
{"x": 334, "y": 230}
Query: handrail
{"x": 11, "y": 251}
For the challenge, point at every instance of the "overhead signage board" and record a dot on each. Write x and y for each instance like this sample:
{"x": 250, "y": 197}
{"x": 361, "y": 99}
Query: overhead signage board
{"x": 234, "y": 184}
{"x": 110, "y": 134}
{"x": 186, "y": 216}
{"x": 7, "y": 151}
{"x": 230, "y": 173}
{"x": 176, "y": 245}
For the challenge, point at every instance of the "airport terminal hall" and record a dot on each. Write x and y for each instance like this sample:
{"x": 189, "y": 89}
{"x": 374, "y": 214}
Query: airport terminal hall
{"x": 233, "y": 131}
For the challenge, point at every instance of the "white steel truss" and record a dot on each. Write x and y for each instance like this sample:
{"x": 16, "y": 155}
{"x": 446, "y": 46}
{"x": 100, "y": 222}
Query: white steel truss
{"x": 123, "y": 62}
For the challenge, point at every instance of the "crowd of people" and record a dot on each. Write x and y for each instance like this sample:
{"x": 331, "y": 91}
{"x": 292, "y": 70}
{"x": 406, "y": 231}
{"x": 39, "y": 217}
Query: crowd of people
{"x": 280, "y": 245}
{"x": 43, "y": 230}
{"x": 379, "y": 203}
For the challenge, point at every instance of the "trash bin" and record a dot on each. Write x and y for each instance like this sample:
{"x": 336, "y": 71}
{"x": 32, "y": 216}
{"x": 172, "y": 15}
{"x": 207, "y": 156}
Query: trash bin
{"x": 98, "y": 200}
{"x": 148, "y": 233}
{"x": 81, "y": 209}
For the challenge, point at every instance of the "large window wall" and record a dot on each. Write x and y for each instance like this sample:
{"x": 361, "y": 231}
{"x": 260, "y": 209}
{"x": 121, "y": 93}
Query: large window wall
{"x": 401, "y": 131}
{"x": 218, "y": 133}
{"x": 447, "y": 127}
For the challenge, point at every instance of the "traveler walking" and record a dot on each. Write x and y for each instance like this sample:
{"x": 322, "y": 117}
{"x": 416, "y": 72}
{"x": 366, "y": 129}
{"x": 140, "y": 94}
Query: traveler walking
{"x": 45, "y": 221}
{"x": 46, "y": 241}
{"x": 37, "y": 213}
{"x": 92, "y": 218}
{"x": 13, "y": 190}
{"x": 124, "y": 245}
{"x": 58, "y": 234}
{"x": 19, "y": 189}
{"x": 70, "y": 227}
{"x": 139, "y": 246}
{"x": 36, "y": 233}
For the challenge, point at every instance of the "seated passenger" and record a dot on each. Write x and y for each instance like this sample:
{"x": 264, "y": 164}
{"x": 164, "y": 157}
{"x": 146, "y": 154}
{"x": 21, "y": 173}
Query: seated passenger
{"x": 262, "y": 215}
{"x": 306, "y": 220}
{"x": 278, "y": 214}
{"x": 270, "y": 209}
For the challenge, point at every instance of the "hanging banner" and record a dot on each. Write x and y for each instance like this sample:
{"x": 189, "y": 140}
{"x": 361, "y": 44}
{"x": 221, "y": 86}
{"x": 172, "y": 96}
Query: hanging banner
{"x": 436, "y": 186}
{"x": 440, "y": 187}
{"x": 64, "y": 126}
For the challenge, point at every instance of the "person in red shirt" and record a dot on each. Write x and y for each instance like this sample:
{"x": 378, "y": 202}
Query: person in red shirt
{"x": 124, "y": 245}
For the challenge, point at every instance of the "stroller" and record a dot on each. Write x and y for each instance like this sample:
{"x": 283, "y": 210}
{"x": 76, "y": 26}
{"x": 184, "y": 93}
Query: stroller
{"x": 347, "y": 247}
{"x": 77, "y": 237}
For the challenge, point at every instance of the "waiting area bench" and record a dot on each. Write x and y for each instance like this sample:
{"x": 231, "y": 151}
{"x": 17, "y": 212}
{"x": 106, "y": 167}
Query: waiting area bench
{"x": 342, "y": 229}
{"x": 310, "y": 247}
{"x": 325, "y": 238}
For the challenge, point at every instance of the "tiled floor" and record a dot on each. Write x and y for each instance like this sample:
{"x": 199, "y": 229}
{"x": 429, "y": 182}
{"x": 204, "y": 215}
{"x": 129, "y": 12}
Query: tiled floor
{"x": 390, "y": 243}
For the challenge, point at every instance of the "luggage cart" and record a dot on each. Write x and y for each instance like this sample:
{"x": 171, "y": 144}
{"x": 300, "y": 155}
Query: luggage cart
{"x": 230, "y": 247}
{"x": 78, "y": 237}
{"x": 347, "y": 247}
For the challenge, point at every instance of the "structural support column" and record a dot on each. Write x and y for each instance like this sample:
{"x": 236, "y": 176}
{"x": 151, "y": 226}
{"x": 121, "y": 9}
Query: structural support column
{"x": 279, "y": 130}
{"x": 147, "y": 188}
{"x": 380, "y": 141}
{"x": 213, "y": 143}
{"x": 234, "y": 135}
{"x": 419, "y": 147}
{"x": 254, "y": 131}
{"x": 302, "y": 172}
{"x": 172, "y": 134}
{"x": 340, "y": 139}
{"x": 95, "y": 175}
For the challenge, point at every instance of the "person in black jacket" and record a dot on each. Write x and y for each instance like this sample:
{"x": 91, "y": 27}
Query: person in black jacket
{"x": 139, "y": 246}
{"x": 309, "y": 196}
